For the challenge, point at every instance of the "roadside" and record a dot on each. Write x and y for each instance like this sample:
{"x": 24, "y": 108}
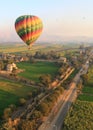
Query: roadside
{"x": 57, "y": 122}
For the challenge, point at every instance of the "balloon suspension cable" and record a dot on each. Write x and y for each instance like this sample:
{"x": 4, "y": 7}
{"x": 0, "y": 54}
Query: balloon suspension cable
{"x": 29, "y": 47}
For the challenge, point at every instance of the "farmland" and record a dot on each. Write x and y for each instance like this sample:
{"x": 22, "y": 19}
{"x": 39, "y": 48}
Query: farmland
{"x": 80, "y": 116}
{"x": 35, "y": 70}
{"x": 87, "y": 91}
{"x": 23, "y": 48}
{"x": 42, "y": 47}
{"x": 10, "y": 92}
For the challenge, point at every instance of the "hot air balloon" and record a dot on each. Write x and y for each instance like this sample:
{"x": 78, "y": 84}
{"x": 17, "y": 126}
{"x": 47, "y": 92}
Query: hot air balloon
{"x": 29, "y": 28}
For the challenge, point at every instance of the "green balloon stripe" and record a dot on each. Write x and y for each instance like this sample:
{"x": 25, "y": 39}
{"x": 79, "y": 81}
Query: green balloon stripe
{"x": 32, "y": 40}
{"x": 27, "y": 30}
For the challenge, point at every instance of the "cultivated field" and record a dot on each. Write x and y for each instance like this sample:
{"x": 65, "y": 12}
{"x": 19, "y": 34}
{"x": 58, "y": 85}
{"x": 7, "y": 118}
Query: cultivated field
{"x": 10, "y": 92}
{"x": 87, "y": 92}
{"x": 80, "y": 116}
{"x": 23, "y": 48}
{"x": 42, "y": 47}
{"x": 34, "y": 70}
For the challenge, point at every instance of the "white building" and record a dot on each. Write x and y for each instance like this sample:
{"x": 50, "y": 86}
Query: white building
{"x": 11, "y": 66}
{"x": 63, "y": 59}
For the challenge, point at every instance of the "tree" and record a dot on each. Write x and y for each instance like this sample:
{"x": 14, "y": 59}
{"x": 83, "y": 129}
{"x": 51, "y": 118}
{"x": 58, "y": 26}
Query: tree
{"x": 84, "y": 78}
{"x": 13, "y": 107}
{"x": 79, "y": 86}
{"x": 61, "y": 70}
{"x": 36, "y": 115}
{"x": 29, "y": 94}
{"x": 22, "y": 101}
{"x": 60, "y": 89}
{"x": 1, "y": 65}
{"x": 43, "y": 108}
{"x": 27, "y": 125}
{"x": 45, "y": 80}
{"x": 14, "y": 72}
{"x": 32, "y": 60}
{"x": 7, "y": 113}
{"x": 38, "y": 54}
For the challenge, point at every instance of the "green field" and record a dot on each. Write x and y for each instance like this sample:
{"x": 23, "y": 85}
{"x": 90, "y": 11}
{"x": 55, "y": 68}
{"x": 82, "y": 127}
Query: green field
{"x": 42, "y": 47}
{"x": 87, "y": 94}
{"x": 86, "y": 97}
{"x": 87, "y": 91}
{"x": 35, "y": 70}
{"x": 10, "y": 92}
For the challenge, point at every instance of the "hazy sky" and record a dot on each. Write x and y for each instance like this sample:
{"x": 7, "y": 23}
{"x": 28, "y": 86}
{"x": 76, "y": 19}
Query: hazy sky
{"x": 62, "y": 19}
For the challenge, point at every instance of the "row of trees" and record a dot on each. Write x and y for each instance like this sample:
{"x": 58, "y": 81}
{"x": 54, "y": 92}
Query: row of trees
{"x": 50, "y": 55}
{"x": 46, "y": 80}
{"x": 4, "y": 63}
{"x": 42, "y": 110}
{"x": 8, "y": 111}
{"x": 35, "y": 119}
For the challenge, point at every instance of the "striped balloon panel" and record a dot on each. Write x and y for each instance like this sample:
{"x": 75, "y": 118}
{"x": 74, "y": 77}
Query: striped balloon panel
{"x": 29, "y": 28}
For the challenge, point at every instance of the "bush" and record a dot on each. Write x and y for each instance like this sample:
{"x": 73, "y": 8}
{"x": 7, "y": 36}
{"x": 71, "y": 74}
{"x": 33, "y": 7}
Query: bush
{"x": 13, "y": 107}
{"x": 27, "y": 125}
{"x": 7, "y": 113}
{"x": 29, "y": 94}
{"x": 43, "y": 108}
{"x": 36, "y": 115}
{"x": 22, "y": 101}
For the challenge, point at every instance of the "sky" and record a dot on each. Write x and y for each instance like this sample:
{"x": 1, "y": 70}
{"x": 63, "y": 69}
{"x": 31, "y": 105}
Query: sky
{"x": 62, "y": 19}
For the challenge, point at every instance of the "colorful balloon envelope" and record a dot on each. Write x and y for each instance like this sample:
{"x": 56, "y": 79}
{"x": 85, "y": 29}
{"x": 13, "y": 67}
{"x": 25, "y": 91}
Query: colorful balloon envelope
{"x": 29, "y": 28}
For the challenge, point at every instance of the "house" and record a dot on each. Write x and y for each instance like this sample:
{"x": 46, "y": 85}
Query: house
{"x": 63, "y": 59}
{"x": 11, "y": 66}
{"x": 82, "y": 51}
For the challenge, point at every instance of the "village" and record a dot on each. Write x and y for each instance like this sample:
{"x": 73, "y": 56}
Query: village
{"x": 8, "y": 61}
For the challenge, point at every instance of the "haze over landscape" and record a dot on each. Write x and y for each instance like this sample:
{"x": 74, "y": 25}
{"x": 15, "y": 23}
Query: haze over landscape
{"x": 46, "y": 65}
{"x": 63, "y": 20}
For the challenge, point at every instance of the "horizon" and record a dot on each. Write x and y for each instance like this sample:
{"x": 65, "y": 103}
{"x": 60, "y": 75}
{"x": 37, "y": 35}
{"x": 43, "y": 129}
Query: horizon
{"x": 63, "y": 20}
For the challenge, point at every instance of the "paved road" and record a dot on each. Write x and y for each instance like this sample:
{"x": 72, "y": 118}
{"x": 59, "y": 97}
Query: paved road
{"x": 57, "y": 122}
{"x": 66, "y": 101}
